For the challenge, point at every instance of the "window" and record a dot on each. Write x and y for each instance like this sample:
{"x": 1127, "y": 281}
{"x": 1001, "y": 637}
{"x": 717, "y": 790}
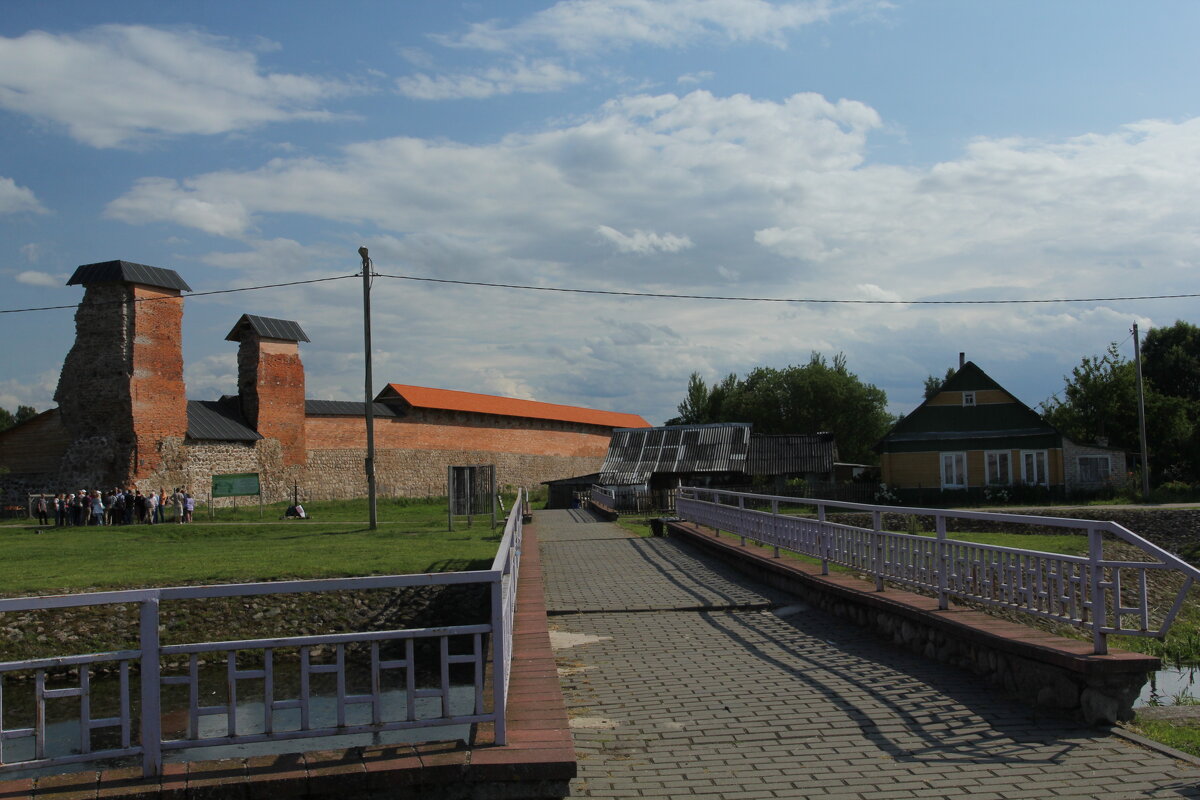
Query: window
{"x": 968, "y": 398}
{"x": 1094, "y": 469}
{"x": 999, "y": 467}
{"x": 1033, "y": 468}
{"x": 954, "y": 470}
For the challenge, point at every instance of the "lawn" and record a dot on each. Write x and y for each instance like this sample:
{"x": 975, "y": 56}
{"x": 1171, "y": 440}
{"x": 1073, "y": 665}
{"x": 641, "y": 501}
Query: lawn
{"x": 410, "y": 538}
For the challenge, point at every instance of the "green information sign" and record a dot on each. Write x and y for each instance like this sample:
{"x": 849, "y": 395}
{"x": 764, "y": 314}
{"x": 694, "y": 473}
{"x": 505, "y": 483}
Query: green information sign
{"x": 244, "y": 484}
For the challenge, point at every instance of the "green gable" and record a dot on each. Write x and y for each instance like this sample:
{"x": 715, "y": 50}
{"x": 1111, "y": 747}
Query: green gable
{"x": 989, "y": 426}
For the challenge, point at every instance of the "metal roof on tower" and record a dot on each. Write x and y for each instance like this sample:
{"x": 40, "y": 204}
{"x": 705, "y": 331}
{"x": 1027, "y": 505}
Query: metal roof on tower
{"x": 268, "y": 328}
{"x": 128, "y": 272}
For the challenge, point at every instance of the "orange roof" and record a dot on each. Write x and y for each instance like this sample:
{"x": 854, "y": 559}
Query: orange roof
{"x": 450, "y": 400}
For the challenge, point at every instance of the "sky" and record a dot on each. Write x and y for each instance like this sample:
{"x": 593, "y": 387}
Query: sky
{"x": 836, "y": 150}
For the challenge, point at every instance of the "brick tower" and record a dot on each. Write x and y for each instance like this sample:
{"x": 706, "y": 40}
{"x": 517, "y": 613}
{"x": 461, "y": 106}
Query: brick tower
{"x": 121, "y": 390}
{"x": 271, "y": 381}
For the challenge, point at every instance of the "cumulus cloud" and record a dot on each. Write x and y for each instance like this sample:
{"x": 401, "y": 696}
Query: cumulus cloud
{"x": 112, "y": 85}
{"x": 33, "y": 278}
{"x": 16, "y": 199}
{"x": 518, "y": 77}
{"x": 588, "y": 26}
{"x": 697, "y": 191}
{"x": 644, "y": 242}
{"x": 165, "y": 200}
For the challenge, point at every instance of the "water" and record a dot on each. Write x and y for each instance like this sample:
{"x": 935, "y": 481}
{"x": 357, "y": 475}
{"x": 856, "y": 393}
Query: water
{"x": 1166, "y": 685}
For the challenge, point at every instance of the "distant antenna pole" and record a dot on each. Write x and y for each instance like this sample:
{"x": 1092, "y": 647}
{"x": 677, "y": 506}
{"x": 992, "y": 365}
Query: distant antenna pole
{"x": 370, "y": 399}
{"x": 1137, "y": 360}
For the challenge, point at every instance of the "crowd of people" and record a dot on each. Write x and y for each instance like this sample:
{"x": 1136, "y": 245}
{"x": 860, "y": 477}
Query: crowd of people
{"x": 115, "y": 507}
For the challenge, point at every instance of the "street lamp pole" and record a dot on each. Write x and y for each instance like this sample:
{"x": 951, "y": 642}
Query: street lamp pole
{"x": 370, "y": 399}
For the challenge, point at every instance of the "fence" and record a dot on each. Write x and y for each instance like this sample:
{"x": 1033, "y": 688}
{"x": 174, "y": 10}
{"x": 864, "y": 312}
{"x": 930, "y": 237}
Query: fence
{"x": 1103, "y": 596}
{"x": 391, "y": 651}
{"x": 634, "y": 500}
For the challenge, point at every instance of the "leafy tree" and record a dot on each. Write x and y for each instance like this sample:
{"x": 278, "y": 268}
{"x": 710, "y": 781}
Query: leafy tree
{"x": 1171, "y": 360}
{"x": 1099, "y": 401}
{"x": 934, "y": 385}
{"x": 8, "y": 419}
{"x": 819, "y": 396}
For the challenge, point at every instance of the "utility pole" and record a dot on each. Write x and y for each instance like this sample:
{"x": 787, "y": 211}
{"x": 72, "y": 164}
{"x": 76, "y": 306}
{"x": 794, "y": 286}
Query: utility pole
{"x": 1137, "y": 360}
{"x": 370, "y": 399}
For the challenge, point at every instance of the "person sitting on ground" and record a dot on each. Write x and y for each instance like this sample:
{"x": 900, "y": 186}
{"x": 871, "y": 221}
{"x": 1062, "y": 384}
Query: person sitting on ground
{"x": 296, "y": 511}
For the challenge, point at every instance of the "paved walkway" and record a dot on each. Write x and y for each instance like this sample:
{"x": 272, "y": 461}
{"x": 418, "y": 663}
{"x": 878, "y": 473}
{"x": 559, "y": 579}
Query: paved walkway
{"x": 683, "y": 679}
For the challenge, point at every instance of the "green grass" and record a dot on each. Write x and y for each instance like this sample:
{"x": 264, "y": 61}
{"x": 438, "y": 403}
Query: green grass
{"x": 1183, "y": 736}
{"x": 413, "y": 540}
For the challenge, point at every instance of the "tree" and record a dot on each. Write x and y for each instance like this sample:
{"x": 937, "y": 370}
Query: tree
{"x": 1171, "y": 360}
{"x": 8, "y": 419}
{"x": 934, "y": 385}
{"x": 1099, "y": 403}
{"x": 819, "y": 396}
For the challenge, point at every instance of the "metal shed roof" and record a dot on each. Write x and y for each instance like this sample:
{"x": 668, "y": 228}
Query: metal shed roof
{"x": 267, "y": 328}
{"x": 218, "y": 420}
{"x": 634, "y": 454}
{"x": 788, "y": 454}
{"x": 346, "y": 408}
{"x": 128, "y": 272}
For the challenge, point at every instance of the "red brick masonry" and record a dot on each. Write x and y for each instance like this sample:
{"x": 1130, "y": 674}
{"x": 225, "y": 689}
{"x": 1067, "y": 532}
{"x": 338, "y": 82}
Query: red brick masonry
{"x": 538, "y": 761}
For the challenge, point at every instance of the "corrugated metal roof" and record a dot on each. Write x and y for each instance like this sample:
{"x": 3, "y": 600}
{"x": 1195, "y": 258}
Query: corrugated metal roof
{"x": 346, "y": 408}
{"x": 450, "y": 400}
{"x": 268, "y": 328}
{"x": 128, "y": 272}
{"x": 788, "y": 454}
{"x": 218, "y": 420}
{"x": 636, "y": 454}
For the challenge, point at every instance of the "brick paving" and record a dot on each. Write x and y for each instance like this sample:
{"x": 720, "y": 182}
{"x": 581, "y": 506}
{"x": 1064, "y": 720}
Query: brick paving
{"x": 683, "y": 679}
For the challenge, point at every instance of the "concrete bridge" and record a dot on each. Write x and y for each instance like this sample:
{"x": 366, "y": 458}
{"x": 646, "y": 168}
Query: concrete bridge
{"x": 682, "y": 678}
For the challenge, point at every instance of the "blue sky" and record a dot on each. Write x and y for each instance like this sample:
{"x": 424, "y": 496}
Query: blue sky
{"x": 851, "y": 150}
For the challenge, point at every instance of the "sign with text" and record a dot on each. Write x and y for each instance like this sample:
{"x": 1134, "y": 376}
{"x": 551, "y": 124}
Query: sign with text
{"x": 242, "y": 484}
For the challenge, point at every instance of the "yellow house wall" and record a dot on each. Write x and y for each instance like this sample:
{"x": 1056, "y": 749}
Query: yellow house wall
{"x": 982, "y": 397}
{"x": 924, "y": 470}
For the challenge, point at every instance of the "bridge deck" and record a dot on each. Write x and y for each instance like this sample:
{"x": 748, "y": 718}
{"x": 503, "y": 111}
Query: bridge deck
{"x": 682, "y": 678}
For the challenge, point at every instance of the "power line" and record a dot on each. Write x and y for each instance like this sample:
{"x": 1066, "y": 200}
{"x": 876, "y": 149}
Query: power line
{"x": 785, "y": 299}
{"x": 662, "y": 295}
{"x": 190, "y": 294}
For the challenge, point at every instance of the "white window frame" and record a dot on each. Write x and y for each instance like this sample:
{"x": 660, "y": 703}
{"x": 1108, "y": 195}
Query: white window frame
{"x": 960, "y": 466}
{"x": 1099, "y": 457}
{"x": 1033, "y": 481}
{"x": 968, "y": 398}
{"x": 989, "y": 478}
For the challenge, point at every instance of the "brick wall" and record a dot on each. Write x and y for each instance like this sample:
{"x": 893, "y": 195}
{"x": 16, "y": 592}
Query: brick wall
{"x": 271, "y": 388}
{"x": 157, "y": 393}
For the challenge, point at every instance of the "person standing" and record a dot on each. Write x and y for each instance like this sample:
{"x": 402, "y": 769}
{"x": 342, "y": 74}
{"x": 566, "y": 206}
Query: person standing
{"x": 151, "y": 507}
{"x": 178, "y": 500}
{"x": 97, "y": 506}
{"x": 42, "y": 510}
{"x": 189, "y": 505}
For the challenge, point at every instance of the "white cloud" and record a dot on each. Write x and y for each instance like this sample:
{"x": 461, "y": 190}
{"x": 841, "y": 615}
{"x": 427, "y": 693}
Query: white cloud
{"x": 589, "y": 26}
{"x": 163, "y": 200}
{"x": 777, "y": 196}
{"x": 644, "y": 242}
{"x": 115, "y": 84}
{"x": 16, "y": 199}
{"x": 695, "y": 77}
{"x": 32, "y": 278}
{"x": 519, "y": 77}
{"x": 32, "y": 252}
